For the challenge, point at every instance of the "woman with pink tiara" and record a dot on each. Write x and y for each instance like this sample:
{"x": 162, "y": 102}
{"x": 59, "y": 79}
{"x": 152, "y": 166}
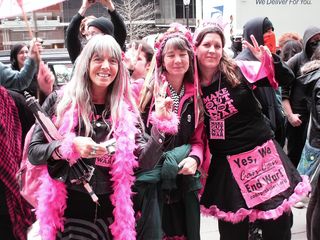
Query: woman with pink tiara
{"x": 250, "y": 178}
{"x": 176, "y": 119}
{"x": 101, "y": 134}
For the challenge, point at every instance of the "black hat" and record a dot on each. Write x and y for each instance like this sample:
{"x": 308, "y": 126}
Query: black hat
{"x": 267, "y": 24}
{"x": 103, "y": 24}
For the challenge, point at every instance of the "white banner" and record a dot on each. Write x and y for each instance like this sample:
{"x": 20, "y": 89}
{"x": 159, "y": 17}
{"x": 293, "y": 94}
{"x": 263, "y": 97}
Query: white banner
{"x": 11, "y": 8}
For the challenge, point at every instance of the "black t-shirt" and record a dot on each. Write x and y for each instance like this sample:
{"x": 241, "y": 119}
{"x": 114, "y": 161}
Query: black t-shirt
{"x": 238, "y": 110}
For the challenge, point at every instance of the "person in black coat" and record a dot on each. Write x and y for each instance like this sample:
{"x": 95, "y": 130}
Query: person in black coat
{"x": 310, "y": 80}
{"x": 115, "y": 28}
{"x": 262, "y": 29}
{"x": 294, "y": 100}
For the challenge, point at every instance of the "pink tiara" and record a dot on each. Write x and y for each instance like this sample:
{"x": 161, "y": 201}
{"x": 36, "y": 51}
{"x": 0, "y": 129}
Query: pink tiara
{"x": 175, "y": 29}
{"x": 218, "y": 22}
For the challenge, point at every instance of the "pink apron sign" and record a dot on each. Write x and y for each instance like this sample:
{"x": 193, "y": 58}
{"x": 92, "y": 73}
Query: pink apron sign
{"x": 259, "y": 173}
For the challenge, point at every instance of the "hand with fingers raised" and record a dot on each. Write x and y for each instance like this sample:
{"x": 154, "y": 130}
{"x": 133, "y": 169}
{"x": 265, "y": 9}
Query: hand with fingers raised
{"x": 131, "y": 56}
{"x": 108, "y": 4}
{"x": 163, "y": 104}
{"x": 34, "y": 50}
{"x": 164, "y": 118}
{"x": 257, "y": 51}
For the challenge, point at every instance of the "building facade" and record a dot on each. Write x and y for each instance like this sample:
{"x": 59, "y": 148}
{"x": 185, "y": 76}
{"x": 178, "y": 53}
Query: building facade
{"x": 52, "y": 22}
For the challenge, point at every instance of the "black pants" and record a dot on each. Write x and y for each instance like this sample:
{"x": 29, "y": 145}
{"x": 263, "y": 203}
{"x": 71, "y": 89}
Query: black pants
{"x": 279, "y": 229}
{"x": 280, "y": 133}
{"x": 313, "y": 214}
{"x": 296, "y": 139}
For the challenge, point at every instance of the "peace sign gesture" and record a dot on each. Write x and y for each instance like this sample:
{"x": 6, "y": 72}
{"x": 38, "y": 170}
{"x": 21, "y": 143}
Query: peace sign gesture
{"x": 163, "y": 104}
{"x": 132, "y": 55}
{"x": 257, "y": 51}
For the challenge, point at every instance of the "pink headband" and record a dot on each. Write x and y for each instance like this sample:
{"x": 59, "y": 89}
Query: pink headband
{"x": 175, "y": 30}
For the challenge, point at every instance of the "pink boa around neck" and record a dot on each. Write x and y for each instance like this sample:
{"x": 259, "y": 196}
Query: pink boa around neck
{"x": 52, "y": 200}
{"x": 301, "y": 190}
{"x": 67, "y": 148}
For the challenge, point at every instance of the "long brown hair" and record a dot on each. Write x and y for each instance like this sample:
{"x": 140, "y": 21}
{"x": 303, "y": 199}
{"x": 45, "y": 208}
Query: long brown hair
{"x": 175, "y": 41}
{"x": 227, "y": 66}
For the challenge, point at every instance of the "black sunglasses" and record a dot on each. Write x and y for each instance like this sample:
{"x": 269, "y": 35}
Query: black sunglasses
{"x": 315, "y": 43}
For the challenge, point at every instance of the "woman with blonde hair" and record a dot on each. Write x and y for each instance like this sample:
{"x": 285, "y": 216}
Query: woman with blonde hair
{"x": 99, "y": 124}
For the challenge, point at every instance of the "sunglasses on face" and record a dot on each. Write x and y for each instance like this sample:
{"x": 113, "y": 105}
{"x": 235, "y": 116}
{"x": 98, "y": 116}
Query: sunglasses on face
{"x": 237, "y": 39}
{"x": 314, "y": 43}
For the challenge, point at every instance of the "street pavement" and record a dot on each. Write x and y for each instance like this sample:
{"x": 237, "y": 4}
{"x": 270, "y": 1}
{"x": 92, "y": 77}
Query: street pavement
{"x": 209, "y": 226}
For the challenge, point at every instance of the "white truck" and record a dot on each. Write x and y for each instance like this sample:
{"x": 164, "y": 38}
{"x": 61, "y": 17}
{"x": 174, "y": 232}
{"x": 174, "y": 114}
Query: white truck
{"x": 285, "y": 15}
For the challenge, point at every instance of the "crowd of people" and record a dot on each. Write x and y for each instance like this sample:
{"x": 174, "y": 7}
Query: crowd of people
{"x": 148, "y": 138}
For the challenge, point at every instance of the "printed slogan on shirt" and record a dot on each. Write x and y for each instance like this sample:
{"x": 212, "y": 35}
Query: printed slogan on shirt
{"x": 219, "y": 106}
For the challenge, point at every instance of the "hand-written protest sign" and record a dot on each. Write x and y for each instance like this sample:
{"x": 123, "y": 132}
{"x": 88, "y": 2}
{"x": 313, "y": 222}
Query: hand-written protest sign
{"x": 259, "y": 173}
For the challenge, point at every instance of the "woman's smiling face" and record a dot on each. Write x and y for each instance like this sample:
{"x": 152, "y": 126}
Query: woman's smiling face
{"x": 103, "y": 69}
{"x": 22, "y": 56}
{"x": 176, "y": 61}
{"x": 209, "y": 52}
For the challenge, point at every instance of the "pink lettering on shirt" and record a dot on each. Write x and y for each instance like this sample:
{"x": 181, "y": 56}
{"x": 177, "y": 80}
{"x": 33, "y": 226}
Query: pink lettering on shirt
{"x": 104, "y": 161}
{"x": 219, "y": 105}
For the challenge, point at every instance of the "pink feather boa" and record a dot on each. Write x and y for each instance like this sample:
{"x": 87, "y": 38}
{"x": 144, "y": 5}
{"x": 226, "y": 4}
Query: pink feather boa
{"x": 51, "y": 205}
{"x": 68, "y": 150}
{"x": 302, "y": 189}
{"x": 53, "y": 194}
{"x": 165, "y": 125}
{"x": 123, "y": 227}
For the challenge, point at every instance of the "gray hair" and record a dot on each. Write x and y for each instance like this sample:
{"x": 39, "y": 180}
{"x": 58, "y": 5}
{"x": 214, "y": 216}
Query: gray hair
{"x": 78, "y": 91}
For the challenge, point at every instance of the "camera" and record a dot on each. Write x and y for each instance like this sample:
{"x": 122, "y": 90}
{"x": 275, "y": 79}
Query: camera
{"x": 110, "y": 145}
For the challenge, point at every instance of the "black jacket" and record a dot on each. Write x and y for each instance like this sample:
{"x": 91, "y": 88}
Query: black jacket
{"x": 283, "y": 74}
{"x": 294, "y": 92}
{"x": 73, "y": 43}
{"x": 40, "y": 152}
{"x": 311, "y": 85}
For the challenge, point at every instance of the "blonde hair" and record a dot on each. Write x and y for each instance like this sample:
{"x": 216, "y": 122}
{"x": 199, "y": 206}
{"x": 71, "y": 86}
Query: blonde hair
{"x": 77, "y": 92}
